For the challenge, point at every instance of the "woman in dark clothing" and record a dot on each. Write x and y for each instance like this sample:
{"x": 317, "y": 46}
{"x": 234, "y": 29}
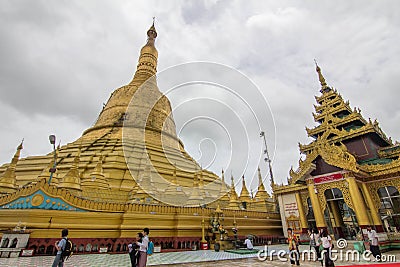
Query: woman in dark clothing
{"x": 134, "y": 250}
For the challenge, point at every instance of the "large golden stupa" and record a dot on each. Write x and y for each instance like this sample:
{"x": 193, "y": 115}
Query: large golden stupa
{"x": 126, "y": 172}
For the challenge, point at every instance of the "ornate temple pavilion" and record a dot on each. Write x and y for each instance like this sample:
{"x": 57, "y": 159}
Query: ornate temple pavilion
{"x": 348, "y": 177}
{"x": 126, "y": 172}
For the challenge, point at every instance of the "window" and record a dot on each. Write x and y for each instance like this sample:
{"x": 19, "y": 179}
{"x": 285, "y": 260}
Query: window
{"x": 5, "y": 243}
{"x": 390, "y": 207}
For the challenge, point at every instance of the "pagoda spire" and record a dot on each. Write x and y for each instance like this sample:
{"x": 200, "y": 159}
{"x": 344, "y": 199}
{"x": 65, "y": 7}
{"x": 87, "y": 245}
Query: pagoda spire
{"x": 8, "y": 183}
{"x": 195, "y": 198}
{"x": 97, "y": 179}
{"x": 140, "y": 96}
{"x": 223, "y": 192}
{"x": 203, "y": 193}
{"x": 261, "y": 192}
{"x": 147, "y": 65}
{"x": 324, "y": 86}
{"x": 174, "y": 179}
{"x": 244, "y": 195}
{"x": 233, "y": 199}
{"x": 146, "y": 181}
{"x": 173, "y": 186}
{"x": 223, "y": 188}
{"x": 174, "y": 193}
{"x": 72, "y": 179}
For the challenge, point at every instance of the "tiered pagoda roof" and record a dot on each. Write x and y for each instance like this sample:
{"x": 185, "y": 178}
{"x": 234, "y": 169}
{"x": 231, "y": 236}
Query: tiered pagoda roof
{"x": 344, "y": 140}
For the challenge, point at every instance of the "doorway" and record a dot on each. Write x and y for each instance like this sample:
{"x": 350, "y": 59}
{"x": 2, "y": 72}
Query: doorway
{"x": 340, "y": 218}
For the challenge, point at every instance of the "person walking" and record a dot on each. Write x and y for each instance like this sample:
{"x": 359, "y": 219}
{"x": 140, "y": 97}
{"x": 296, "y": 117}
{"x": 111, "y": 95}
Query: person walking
{"x": 315, "y": 243}
{"x": 373, "y": 243}
{"x": 294, "y": 254}
{"x": 143, "y": 248}
{"x": 60, "y": 246}
{"x": 327, "y": 246}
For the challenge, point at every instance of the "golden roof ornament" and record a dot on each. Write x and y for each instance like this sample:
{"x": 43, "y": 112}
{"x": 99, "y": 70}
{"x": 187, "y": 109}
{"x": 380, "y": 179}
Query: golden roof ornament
{"x": 152, "y": 33}
{"x": 218, "y": 210}
{"x": 222, "y": 188}
{"x": 195, "y": 198}
{"x": 72, "y": 179}
{"x": 261, "y": 192}
{"x": 147, "y": 65}
{"x": 223, "y": 191}
{"x": 233, "y": 198}
{"x": 8, "y": 179}
{"x": 99, "y": 165}
{"x": 324, "y": 86}
{"x": 244, "y": 195}
{"x": 96, "y": 179}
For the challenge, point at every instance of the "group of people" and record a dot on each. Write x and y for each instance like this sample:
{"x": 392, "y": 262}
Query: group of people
{"x": 322, "y": 243}
{"x": 137, "y": 249}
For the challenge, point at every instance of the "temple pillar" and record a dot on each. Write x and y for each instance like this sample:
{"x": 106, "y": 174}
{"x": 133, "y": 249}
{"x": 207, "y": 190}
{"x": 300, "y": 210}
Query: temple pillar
{"x": 357, "y": 199}
{"x": 337, "y": 217}
{"x": 376, "y": 219}
{"x": 303, "y": 218}
{"x": 318, "y": 214}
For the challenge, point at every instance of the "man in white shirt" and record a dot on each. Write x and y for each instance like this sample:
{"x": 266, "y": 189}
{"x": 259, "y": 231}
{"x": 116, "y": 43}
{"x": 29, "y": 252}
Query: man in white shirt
{"x": 373, "y": 243}
{"x": 143, "y": 248}
{"x": 248, "y": 243}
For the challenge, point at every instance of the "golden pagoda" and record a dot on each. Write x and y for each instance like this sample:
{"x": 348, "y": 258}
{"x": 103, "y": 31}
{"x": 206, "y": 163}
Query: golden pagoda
{"x": 347, "y": 174}
{"x": 262, "y": 199}
{"x": 126, "y": 172}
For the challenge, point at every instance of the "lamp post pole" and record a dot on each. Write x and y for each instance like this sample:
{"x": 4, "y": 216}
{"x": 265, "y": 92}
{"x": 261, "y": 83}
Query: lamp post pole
{"x": 203, "y": 242}
{"x": 52, "y": 139}
{"x": 203, "y": 239}
{"x": 267, "y": 158}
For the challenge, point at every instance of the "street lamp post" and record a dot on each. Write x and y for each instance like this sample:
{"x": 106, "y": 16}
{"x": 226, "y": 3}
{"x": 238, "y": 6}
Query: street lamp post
{"x": 267, "y": 158}
{"x": 52, "y": 139}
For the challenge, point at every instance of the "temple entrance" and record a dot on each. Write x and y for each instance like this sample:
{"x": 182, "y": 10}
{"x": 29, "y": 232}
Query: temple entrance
{"x": 340, "y": 218}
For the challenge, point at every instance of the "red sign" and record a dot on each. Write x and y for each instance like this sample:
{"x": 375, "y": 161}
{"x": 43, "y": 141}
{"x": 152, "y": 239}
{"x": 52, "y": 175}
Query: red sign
{"x": 328, "y": 178}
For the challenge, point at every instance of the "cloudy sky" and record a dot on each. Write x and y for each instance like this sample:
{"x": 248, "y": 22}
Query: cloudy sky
{"x": 61, "y": 60}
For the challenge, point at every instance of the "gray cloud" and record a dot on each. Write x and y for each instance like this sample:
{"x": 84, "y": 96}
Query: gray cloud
{"x": 62, "y": 59}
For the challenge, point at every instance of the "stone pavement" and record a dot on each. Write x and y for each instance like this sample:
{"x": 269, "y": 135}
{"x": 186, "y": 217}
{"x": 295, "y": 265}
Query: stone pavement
{"x": 200, "y": 258}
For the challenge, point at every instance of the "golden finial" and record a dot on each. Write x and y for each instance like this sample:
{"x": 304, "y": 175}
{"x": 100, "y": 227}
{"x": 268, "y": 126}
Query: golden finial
{"x": 218, "y": 209}
{"x": 320, "y": 76}
{"x": 21, "y": 145}
{"x": 17, "y": 154}
{"x": 152, "y": 33}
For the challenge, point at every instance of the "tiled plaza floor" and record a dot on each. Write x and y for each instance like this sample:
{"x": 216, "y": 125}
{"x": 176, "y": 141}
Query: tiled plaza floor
{"x": 179, "y": 259}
